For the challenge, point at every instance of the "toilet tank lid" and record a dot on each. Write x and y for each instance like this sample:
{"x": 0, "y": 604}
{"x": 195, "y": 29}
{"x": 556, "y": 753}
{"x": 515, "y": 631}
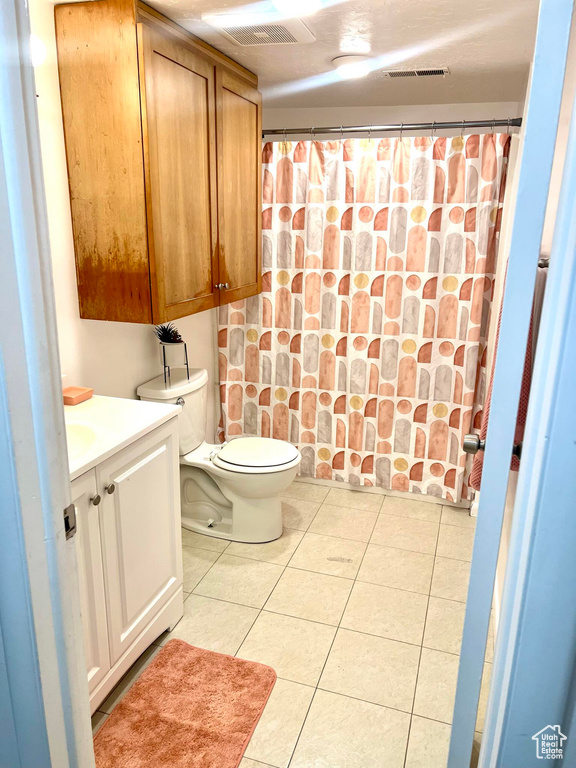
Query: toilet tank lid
{"x": 178, "y": 386}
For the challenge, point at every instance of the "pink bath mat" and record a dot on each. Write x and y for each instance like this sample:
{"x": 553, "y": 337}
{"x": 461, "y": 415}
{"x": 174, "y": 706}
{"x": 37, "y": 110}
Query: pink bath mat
{"x": 190, "y": 708}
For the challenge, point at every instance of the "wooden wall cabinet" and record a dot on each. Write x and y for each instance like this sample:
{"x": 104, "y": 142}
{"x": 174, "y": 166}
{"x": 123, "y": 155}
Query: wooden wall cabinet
{"x": 163, "y": 143}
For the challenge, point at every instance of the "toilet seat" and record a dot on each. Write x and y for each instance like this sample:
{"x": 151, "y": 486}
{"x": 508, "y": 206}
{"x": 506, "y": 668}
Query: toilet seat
{"x": 251, "y": 455}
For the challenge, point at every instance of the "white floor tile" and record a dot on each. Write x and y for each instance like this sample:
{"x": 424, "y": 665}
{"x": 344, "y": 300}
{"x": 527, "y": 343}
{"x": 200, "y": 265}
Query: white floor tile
{"x": 312, "y": 596}
{"x": 297, "y": 514}
{"x": 340, "y": 732}
{"x": 200, "y": 541}
{"x": 373, "y": 669}
{"x": 277, "y": 731}
{"x": 436, "y": 686}
{"x": 392, "y": 613}
{"x": 213, "y": 624}
{"x": 196, "y": 563}
{"x": 428, "y": 744}
{"x": 343, "y": 522}
{"x": 295, "y": 648}
{"x": 450, "y": 579}
{"x": 279, "y": 551}
{"x": 444, "y": 625}
{"x": 405, "y": 533}
{"x": 326, "y": 554}
{"x": 307, "y": 491}
{"x": 342, "y": 497}
{"x": 397, "y": 568}
{"x": 455, "y": 542}
{"x": 418, "y": 510}
{"x": 239, "y": 580}
{"x": 459, "y": 517}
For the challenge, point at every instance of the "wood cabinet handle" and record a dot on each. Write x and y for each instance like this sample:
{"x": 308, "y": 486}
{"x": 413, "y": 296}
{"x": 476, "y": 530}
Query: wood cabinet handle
{"x": 222, "y": 286}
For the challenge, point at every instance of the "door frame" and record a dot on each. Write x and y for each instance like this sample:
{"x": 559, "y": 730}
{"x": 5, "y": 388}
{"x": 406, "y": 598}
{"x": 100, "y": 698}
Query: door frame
{"x": 43, "y": 691}
{"x": 536, "y": 158}
{"x": 44, "y": 702}
{"x": 532, "y": 651}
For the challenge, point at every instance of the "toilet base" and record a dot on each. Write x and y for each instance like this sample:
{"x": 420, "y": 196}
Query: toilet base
{"x": 211, "y": 507}
{"x": 223, "y": 531}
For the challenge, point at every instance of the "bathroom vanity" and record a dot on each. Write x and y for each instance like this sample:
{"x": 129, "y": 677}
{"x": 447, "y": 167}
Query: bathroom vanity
{"x": 123, "y": 457}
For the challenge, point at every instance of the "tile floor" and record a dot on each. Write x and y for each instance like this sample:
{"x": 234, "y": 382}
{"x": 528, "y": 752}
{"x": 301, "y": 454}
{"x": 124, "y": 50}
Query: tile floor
{"x": 359, "y": 608}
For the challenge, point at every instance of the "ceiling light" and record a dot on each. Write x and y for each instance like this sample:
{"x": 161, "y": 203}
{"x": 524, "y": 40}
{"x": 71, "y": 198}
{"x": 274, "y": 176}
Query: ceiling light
{"x": 294, "y": 9}
{"x": 351, "y": 67}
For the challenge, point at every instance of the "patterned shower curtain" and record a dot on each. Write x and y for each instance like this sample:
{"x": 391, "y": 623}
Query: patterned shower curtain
{"x": 366, "y": 348}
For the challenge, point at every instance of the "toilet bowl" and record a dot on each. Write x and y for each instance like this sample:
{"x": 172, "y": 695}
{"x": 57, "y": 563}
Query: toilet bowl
{"x": 230, "y": 491}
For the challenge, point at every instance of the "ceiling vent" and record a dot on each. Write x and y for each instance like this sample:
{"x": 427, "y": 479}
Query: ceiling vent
{"x": 286, "y": 32}
{"x": 431, "y": 72}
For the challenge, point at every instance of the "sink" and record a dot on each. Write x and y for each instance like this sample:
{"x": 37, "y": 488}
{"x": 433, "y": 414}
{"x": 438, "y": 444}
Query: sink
{"x": 101, "y": 426}
{"x": 79, "y": 438}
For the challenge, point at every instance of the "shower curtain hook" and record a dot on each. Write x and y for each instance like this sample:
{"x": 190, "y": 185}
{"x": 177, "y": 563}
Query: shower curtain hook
{"x": 433, "y": 128}
{"x": 312, "y": 135}
{"x": 401, "y": 129}
{"x": 462, "y": 129}
{"x": 284, "y": 135}
{"x": 493, "y": 124}
{"x": 370, "y": 132}
{"x": 341, "y": 133}
{"x": 508, "y": 129}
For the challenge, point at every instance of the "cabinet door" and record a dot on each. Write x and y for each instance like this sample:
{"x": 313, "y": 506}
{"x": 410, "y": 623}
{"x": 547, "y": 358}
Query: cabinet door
{"x": 239, "y": 149}
{"x": 86, "y": 544}
{"x": 141, "y": 535}
{"x": 180, "y": 169}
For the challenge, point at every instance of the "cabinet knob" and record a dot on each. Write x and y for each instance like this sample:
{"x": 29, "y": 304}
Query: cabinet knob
{"x": 110, "y": 488}
{"x": 96, "y": 499}
{"x": 222, "y": 286}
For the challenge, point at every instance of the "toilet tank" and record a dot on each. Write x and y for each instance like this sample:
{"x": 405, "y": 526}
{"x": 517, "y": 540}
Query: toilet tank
{"x": 191, "y": 394}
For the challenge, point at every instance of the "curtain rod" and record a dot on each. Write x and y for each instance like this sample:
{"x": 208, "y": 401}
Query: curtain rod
{"x": 514, "y": 122}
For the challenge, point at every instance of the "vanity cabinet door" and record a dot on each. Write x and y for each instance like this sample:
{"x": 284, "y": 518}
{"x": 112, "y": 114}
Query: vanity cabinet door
{"x": 180, "y": 174}
{"x": 141, "y": 535}
{"x": 239, "y": 149}
{"x": 85, "y": 547}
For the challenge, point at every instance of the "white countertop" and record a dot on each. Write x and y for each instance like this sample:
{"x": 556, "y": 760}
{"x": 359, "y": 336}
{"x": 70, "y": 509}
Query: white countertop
{"x": 101, "y": 426}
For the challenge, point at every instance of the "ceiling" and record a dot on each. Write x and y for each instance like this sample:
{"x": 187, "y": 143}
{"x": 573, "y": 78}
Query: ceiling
{"x": 487, "y": 44}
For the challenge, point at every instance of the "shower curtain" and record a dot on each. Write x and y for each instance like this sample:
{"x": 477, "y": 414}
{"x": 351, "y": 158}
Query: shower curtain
{"x": 366, "y": 348}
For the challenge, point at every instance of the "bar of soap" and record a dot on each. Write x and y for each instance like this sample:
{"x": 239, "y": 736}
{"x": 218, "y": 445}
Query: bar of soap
{"x": 75, "y": 395}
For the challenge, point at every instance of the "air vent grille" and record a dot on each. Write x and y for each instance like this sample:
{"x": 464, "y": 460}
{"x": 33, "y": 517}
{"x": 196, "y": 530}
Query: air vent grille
{"x": 431, "y": 72}
{"x": 269, "y": 34}
{"x": 261, "y": 31}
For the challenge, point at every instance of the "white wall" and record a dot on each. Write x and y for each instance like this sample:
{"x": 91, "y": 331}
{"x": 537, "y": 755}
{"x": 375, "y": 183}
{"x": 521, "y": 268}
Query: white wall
{"x": 114, "y": 358}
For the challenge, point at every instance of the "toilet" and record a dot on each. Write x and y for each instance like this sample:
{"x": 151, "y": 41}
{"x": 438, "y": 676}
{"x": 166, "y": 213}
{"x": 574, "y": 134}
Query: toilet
{"x": 229, "y": 491}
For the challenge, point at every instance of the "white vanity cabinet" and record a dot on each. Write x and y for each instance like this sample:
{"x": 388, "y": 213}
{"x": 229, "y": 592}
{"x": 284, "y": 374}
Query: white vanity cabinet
{"x": 87, "y": 543}
{"x": 129, "y": 553}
